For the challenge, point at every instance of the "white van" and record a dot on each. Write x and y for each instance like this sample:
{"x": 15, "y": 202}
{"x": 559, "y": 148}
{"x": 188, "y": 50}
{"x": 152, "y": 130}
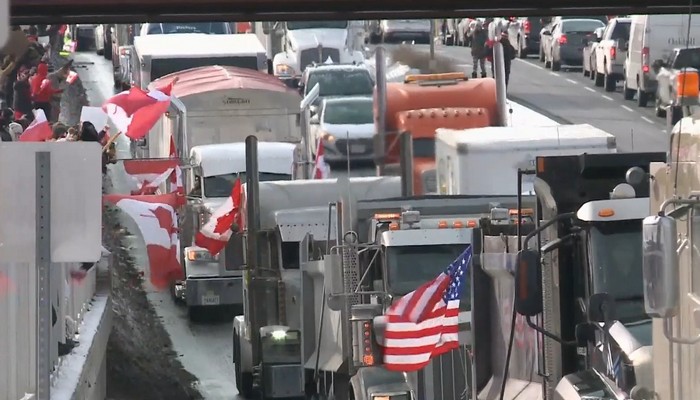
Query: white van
{"x": 653, "y": 37}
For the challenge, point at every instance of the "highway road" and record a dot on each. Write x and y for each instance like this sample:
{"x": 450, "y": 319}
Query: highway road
{"x": 569, "y": 97}
{"x": 205, "y": 349}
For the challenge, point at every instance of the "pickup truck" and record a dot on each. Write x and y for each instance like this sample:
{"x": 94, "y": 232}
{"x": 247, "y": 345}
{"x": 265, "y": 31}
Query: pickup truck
{"x": 680, "y": 59}
{"x": 610, "y": 54}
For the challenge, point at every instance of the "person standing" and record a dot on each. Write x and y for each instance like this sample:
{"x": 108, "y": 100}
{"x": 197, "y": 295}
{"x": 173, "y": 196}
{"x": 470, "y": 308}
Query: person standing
{"x": 479, "y": 37}
{"x": 509, "y": 54}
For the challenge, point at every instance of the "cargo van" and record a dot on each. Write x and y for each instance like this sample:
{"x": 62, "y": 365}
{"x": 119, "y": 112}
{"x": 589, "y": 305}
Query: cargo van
{"x": 654, "y": 37}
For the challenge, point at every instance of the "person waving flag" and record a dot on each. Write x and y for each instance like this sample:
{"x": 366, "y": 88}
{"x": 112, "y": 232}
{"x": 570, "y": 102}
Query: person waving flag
{"x": 425, "y": 323}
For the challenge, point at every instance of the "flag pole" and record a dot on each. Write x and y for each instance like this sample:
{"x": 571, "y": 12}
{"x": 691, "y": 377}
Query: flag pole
{"x": 110, "y": 141}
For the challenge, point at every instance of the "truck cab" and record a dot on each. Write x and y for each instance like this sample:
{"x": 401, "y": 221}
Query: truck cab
{"x": 422, "y": 104}
{"x": 308, "y": 42}
{"x": 336, "y": 81}
{"x": 213, "y": 170}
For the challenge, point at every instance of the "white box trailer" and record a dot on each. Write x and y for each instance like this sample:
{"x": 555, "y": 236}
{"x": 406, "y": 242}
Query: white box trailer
{"x": 485, "y": 161}
{"x": 218, "y": 104}
{"x": 155, "y": 56}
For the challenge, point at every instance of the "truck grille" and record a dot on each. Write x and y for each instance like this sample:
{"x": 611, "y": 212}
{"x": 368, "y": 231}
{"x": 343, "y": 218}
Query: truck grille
{"x": 344, "y": 145}
{"x": 309, "y": 56}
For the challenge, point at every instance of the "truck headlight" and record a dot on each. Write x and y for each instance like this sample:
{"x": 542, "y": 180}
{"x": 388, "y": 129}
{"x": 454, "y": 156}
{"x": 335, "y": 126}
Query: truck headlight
{"x": 399, "y": 396}
{"x": 284, "y": 70}
{"x": 200, "y": 256}
{"x": 279, "y": 335}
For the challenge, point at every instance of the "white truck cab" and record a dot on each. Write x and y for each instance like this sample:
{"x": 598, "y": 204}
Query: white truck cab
{"x": 306, "y": 42}
{"x": 217, "y": 280}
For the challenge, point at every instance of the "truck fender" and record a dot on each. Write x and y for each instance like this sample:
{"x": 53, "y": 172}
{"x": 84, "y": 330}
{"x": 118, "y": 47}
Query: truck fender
{"x": 284, "y": 59}
{"x": 246, "y": 349}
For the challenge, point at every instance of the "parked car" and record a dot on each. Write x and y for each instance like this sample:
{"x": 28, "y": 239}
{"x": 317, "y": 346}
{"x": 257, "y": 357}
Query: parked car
{"x": 548, "y": 24}
{"x": 345, "y": 126}
{"x": 591, "y": 42}
{"x": 610, "y": 54}
{"x": 667, "y": 72}
{"x": 565, "y": 42}
{"x": 524, "y": 34}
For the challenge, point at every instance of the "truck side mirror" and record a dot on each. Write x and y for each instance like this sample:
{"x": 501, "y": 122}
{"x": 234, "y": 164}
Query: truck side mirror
{"x": 660, "y": 266}
{"x": 333, "y": 282}
{"x": 528, "y": 283}
{"x": 601, "y": 308}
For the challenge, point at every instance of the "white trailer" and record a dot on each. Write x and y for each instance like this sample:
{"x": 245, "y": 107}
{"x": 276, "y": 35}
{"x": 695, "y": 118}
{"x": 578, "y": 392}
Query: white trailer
{"x": 217, "y": 104}
{"x": 484, "y": 161}
{"x": 154, "y": 56}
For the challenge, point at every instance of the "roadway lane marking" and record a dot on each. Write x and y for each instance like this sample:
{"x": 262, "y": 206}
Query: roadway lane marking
{"x": 608, "y": 98}
{"x": 589, "y": 89}
{"x": 648, "y": 120}
{"x": 664, "y": 131}
{"x": 555, "y": 74}
{"x": 532, "y": 64}
{"x": 571, "y": 81}
{"x": 627, "y": 108}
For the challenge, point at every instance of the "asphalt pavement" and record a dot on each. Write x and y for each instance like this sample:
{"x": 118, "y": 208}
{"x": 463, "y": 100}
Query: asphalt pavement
{"x": 569, "y": 97}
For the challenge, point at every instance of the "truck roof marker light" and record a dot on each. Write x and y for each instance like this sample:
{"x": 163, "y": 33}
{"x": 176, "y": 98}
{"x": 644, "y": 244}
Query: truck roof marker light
{"x": 394, "y": 226}
{"x": 442, "y": 224}
{"x": 387, "y": 216}
{"x": 471, "y": 224}
{"x": 435, "y": 77}
{"x": 457, "y": 224}
{"x": 606, "y": 212}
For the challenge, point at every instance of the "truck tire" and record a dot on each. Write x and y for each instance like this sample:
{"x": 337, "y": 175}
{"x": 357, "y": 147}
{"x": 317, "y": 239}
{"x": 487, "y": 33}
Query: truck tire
{"x": 599, "y": 79}
{"x": 610, "y": 83}
{"x": 642, "y": 97}
{"x": 627, "y": 93}
{"x": 676, "y": 114}
{"x": 244, "y": 380}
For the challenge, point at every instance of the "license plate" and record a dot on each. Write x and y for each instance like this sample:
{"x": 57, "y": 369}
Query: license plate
{"x": 357, "y": 148}
{"x": 210, "y": 299}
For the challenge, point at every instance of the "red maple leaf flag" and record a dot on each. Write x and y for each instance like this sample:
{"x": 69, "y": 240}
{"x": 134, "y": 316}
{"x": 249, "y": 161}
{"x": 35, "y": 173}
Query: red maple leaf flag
{"x": 218, "y": 230}
{"x": 171, "y": 199}
{"x": 39, "y": 130}
{"x": 321, "y": 169}
{"x": 135, "y": 111}
{"x": 146, "y": 176}
{"x": 157, "y": 223}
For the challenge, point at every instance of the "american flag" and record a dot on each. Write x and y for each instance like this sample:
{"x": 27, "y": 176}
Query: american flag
{"x": 424, "y": 323}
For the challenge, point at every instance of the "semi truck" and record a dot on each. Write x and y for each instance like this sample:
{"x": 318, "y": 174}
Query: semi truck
{"x": 222, "y": 104}
{"x": 154, "y": 56}
{"x": 578, "y": 322}
{"x": 212, "y": 281}
{"x": 292, "y": 46}
{"x": 420, "y": 105}
{"x": 325, "y": 259}
{"x": 670, "y": 272}
{"x": 497, "y": 153}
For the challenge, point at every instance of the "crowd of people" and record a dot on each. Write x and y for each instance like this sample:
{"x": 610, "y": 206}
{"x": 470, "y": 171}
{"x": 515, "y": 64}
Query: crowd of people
{"x": 30, "y": 80}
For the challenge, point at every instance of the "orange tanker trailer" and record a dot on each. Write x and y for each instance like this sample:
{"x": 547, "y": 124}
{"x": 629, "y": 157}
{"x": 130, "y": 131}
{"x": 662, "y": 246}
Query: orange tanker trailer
{"x": 423, "y": 103}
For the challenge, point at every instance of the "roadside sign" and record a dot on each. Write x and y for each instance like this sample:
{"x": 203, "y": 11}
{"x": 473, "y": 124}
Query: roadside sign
{"x": 4, "y": 21}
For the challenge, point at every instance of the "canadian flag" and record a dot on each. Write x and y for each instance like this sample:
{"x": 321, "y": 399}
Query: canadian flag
{"x": 135, "y": 111}
{"x": 170, "y": 199}
{"x": 39, "y": 130}
{"x": 321, "y": 169}
{"x": 147, "y": 175}
{"x": 158, "y": 225}
{"x": 173, "y": 149}
{"x": 218, "y": 230}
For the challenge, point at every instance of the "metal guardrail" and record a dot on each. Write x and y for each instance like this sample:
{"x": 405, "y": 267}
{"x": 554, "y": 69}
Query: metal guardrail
{"x": 69, "y": 299}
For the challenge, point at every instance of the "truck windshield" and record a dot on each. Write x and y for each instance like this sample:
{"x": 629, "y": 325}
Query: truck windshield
{"x": 316, "y": 25}
{"x": 424, "y": 147}
{"x": 341, "y": 82}
{"x": 411, "y": 266}
{"x": 687, "y": 58}
{"x": 219, "y": 28}
{"x": 349, "y": 112}
{"x": 221, "y": 185}
{"x": 616, "y": 257}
